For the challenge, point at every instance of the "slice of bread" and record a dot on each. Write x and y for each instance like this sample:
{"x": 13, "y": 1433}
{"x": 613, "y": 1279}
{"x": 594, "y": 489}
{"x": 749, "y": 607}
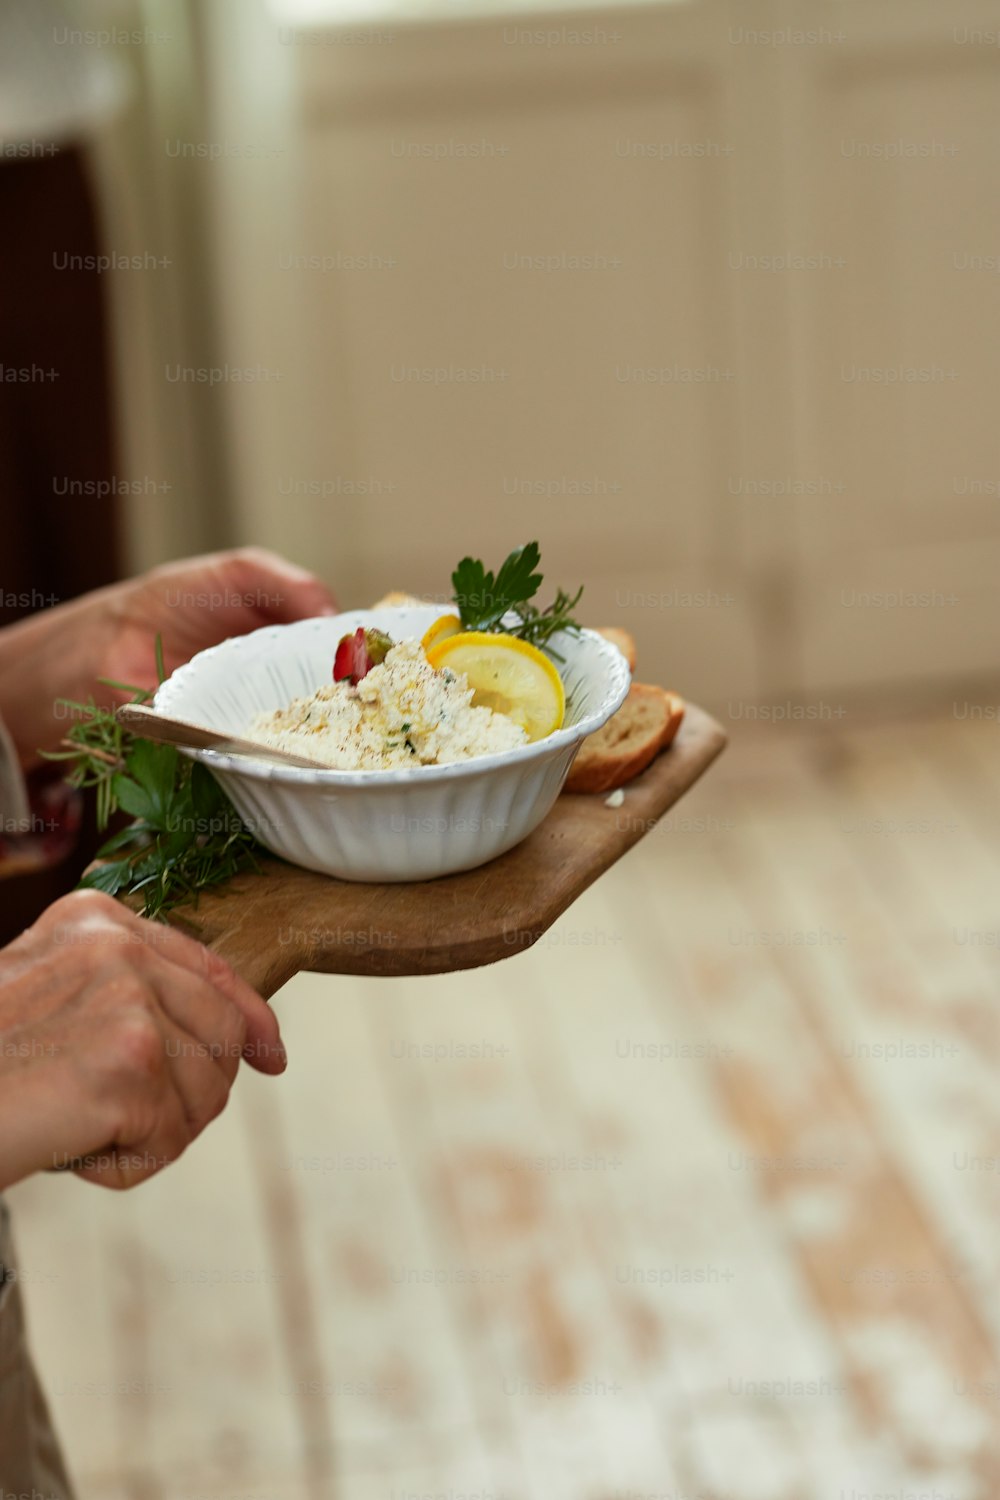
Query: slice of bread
{"x": 396, "y": 597}
{"x": 644, "y": 725}
{"x": 623, "y": 639}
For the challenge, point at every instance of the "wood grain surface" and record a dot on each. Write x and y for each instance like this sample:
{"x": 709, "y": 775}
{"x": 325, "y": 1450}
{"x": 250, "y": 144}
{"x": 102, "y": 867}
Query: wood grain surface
{"x": 677, "y": 1206}
{"x": 273, "y": 925}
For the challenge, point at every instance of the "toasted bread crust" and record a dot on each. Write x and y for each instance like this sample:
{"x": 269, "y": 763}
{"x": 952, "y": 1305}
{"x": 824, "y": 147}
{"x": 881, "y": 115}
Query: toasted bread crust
{"x": 397, "y": 598}
{"x": 645, "y": 724}
{"x": 623, "y": 639}
{"x": 676, "y": 719}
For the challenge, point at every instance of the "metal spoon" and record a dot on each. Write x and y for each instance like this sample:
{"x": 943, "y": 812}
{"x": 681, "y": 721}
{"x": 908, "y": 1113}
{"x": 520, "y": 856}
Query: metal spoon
{"x": 167, "y": 731}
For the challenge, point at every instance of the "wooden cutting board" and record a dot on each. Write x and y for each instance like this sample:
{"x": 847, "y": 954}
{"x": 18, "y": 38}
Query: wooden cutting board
{"x": 270, "y": 926}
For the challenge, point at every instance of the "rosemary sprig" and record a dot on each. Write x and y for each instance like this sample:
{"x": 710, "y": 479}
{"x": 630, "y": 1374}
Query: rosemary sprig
{"x": 98, "y": 746}
{"x": 185, "y": 834}
{"x": 537, "y": 625}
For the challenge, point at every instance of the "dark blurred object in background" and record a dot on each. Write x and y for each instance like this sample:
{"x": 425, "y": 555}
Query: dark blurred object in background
{"x": 60, "y": 533}
{"x": 59, "y": 523}
{"x": 59, "y": 517}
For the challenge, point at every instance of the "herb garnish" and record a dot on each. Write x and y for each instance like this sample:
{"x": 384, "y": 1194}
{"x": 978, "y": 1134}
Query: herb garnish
{"x": 185, "y": 834}
{"x": 483, "y": 600}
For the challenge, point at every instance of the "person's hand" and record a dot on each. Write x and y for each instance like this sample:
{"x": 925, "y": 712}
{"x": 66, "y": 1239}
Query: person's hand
{"x": 64, "y": 652}
{"x": 199, "y": 602}
{"x": 119, "y": 1042}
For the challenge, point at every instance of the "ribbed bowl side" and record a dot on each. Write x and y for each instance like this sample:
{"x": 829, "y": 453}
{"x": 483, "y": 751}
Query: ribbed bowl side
{"x": 390, "y": 833}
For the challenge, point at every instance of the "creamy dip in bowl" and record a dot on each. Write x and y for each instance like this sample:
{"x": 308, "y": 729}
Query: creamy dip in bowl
{"x": 402, "y": 713}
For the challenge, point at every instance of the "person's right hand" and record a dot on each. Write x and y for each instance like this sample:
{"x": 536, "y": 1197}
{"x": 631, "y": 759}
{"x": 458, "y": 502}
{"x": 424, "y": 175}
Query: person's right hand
{"x": 119, "y": 1042}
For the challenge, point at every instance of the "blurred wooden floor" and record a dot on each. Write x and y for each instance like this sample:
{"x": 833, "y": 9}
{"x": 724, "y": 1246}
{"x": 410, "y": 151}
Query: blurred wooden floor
{"x": 711, "y": 1210}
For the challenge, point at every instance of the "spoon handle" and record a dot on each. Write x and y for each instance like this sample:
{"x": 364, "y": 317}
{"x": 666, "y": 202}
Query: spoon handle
{"x": 145, "y": 721}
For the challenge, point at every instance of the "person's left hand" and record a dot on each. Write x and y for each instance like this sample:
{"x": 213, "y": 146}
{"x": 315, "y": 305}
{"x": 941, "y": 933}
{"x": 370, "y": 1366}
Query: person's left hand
{"x": 197, "y": 603}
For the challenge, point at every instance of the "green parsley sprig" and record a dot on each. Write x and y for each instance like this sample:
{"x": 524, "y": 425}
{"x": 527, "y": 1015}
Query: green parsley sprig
{"x": 185, "y": 834}
{"x": 483, "y": 600}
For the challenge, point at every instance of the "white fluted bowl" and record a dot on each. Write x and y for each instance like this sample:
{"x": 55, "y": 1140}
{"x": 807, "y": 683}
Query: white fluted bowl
{"x": 397, "y": 825}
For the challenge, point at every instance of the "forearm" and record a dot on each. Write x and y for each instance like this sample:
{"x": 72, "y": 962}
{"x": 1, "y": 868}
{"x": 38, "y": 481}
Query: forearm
{"x": 49, "y": 656}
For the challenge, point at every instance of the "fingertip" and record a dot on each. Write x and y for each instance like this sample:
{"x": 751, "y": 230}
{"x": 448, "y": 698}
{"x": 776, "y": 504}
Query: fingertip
{"x": 315, "y": 599}
{"x": 267, "y": 1057}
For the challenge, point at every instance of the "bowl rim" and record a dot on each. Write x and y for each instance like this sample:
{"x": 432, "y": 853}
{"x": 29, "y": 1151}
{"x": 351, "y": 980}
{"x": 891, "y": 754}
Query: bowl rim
{"x": 617, "y": 683}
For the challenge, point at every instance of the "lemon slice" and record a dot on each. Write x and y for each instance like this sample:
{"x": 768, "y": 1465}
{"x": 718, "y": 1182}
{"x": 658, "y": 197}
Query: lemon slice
{"x": 508, "y": 675}
{"x": 443, "y": 626}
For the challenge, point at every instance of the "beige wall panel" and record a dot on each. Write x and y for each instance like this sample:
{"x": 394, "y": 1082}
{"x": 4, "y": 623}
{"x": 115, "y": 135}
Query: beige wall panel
{"x": 563, "y": 438}
{"x": 900, "y": 617}
{"x": 898, "y": 345}
{"x": 776, "y": 453}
